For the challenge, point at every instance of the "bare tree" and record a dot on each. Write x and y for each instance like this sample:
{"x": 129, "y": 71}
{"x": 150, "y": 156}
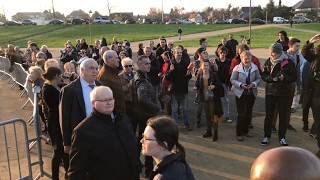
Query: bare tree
{"x": 109, "y": 7}
{"x": 154, "y": 13}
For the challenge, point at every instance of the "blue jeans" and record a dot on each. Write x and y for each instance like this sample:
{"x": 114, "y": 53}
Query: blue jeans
{"x": 225, "y": 101}
{"x": 181, "y": 99}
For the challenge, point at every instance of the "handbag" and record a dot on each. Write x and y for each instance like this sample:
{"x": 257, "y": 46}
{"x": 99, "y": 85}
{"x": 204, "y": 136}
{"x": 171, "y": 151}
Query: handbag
{"x": 209, "y": 95}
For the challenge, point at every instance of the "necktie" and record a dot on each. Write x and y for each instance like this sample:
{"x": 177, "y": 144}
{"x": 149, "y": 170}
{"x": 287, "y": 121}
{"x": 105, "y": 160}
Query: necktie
{"x": 92, "y": 86}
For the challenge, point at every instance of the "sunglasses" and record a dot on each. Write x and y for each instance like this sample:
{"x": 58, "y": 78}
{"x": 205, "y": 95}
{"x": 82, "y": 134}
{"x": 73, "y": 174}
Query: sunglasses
{"x": 68, "y": 47}
{"x": 128, "y": 66}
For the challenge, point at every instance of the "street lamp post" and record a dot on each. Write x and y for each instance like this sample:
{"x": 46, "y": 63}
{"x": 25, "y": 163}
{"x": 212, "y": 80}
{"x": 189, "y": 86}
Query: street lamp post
{"x": 162, "y": 13}
{"x": 250, "y": 24}
{"x": 90, "y": 26}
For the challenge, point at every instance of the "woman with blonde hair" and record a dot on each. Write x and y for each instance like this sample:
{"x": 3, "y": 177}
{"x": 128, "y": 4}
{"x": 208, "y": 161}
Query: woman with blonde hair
{"x": 245, "y": 79}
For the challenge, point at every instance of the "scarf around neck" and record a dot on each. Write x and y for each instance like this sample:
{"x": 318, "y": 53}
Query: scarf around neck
{"x": 279, "y": 60}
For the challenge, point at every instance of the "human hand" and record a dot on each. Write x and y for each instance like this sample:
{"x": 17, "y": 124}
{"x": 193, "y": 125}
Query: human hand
{"x": 171, "y": 67}
{"x": 250, "y": 86}
{"x": 66, "y": 149}
{"x": 281, "y": 77}
{"x": 275, "y": 79}
{"x": 211, "y": 87}
{"x": 315, "y": 38}
{"x": 194, "y": 88}
{"x": 244, "y": 86}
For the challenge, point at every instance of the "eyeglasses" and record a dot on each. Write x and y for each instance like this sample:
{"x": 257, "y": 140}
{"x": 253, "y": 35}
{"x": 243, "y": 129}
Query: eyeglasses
{"x": 128, "y": 66}
{"x": 170, "y": 44}
{"x": 68, "y": 47}
{"x": 110, "y": 100}
{"x": 146, "y": 139}
{"x": 39, "y": 57}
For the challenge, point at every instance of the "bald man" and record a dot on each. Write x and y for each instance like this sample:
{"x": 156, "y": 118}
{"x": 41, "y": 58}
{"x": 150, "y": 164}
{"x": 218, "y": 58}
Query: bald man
{"x": 286, "y": 163}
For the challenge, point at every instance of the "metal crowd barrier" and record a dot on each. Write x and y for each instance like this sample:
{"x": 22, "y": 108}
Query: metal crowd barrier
{"x": 29, "y": 144}
{"x": 19, "y": 75}
{"x": 9, "y": 160}
{"x": 1, "y": 66}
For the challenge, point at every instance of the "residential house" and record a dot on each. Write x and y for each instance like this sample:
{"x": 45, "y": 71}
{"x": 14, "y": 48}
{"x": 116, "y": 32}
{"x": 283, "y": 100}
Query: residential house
{"x": 78, "y": 14}
{"x": 244, "y": 11}
{"x": 302, "y": 7}
{"x": 38, "y": 17}
{"x": 196, "y": 17}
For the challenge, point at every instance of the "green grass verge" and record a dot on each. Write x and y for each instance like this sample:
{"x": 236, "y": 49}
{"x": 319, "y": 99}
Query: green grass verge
{"x": 260, "y": 38}
{"x": 57, "y": 35}
{"x": 309, "y": 26}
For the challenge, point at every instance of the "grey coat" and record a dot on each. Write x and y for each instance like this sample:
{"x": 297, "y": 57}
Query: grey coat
{"x": 238, "y": 77}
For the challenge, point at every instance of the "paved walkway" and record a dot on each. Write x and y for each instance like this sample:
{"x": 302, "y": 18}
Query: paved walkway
{"x": 222, "y": 160}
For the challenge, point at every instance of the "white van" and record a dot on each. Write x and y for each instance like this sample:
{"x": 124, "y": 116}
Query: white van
{"x": 278, "y": 20}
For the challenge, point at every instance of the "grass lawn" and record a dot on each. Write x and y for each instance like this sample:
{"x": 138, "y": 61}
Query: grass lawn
{"x": 260, "y": 38}
{"x": 309, "y": 26}
{"x": 57, "y": 35}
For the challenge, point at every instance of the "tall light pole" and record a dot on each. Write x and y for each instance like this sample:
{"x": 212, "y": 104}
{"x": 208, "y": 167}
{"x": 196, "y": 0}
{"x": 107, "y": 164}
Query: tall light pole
{"x": 90, "y": 26}
{"x": 54, "y": 14}
{"x": 162, "y": 13}
{"x": 250, "y": 24}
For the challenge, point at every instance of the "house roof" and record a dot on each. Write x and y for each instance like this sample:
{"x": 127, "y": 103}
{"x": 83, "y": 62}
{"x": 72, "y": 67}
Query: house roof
{"x": 303, "y": 4}
{"x": 77, "y": 13}
{"x": 29, "y": 13}
{"x": 253, "y": 9}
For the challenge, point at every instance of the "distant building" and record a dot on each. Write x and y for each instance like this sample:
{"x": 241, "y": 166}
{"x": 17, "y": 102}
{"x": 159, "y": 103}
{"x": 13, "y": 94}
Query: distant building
{"x": 19, "y": 16}
{"x": 244, "y": 11}
{"x": 196, "y": 17}
{"x": 302, "y": 7}
{"x": 78, "y": 14}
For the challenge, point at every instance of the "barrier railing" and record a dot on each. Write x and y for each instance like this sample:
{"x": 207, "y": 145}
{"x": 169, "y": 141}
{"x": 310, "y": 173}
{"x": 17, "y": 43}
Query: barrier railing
{"x": 19, "y": 76}
{"x": 4, "y": 126}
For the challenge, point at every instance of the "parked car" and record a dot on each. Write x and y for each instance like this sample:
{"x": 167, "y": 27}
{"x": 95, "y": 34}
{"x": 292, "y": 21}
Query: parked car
{"x": 187, "y": 21}
{"x": 101, "y": 20}
{"x": 173, "y": 21}
{"x": 257, "y": 21}
{"x": 317, "y": 19}
{"x": 1, "y": 24}
{"x": 28, "y": 22}
{"x": 116, "y": 22}
{"x": 238, "y": 21}
{"x": 278, "y": 20}
{"x": 79, "y": 21}
{"x": 286, "y": 21}
{"x": 130, "y": 21}
{"x": 148, "y": 21}
{"x": 57, "y": 21}
{"x": 13, "y": 23}
{"x": 301, "y": 19}
{"x": 220, "y": 21}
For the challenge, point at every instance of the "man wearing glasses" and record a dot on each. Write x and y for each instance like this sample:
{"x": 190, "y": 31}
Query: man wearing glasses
{"x": 103, "y": 145}
{"x": 68, "y": 55}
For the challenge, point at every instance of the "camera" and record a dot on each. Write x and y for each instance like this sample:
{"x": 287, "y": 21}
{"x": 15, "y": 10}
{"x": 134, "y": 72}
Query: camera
{"x": 63, "y": 51}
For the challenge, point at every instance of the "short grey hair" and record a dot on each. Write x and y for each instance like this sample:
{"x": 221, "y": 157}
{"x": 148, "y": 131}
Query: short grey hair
{"x": 42, "y": 55}
{"x": 97, "y": 90}
{"x": 83, "y": 65}
{"x": 126, "y": 60}
{"x": 44, "y": 46}
{"x": 108, "y": 55}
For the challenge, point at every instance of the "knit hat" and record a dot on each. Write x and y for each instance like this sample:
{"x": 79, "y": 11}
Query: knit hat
{"x": 276, "y": 48}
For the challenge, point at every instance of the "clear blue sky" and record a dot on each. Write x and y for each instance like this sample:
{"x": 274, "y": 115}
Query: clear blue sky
{"x": 136, "y": 6}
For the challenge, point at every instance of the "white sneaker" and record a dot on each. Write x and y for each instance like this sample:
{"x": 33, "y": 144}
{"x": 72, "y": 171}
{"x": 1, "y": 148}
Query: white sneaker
{"x": 265, "y": 141}
{"x": 228, "y": 120}
{"x": 283, "y": 142}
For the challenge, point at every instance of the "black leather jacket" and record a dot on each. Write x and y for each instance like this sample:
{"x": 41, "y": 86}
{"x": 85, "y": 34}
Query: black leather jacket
{"x": 64, "y": 58}
{"x": 144, "y": 96}
{"x": 279, "y": 88}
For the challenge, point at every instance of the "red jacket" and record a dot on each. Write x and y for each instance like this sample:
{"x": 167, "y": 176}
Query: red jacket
{"x": 235, "y": 61}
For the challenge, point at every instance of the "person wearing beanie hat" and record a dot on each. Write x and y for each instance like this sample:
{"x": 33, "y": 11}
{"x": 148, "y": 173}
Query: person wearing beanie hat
{"x": 278, "y": 73}
{"x": 276, "y": 48}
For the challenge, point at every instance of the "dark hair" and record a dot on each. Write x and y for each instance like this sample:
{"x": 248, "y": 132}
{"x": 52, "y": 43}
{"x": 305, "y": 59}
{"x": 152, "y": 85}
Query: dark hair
{"x": 34, "y": 44}
{"x": 51, "y": 73}
{"x": 284, "y": 34}
{"x": 200, "y": 50}
{"x": 113, "y": 45}
{"x": 140, "y": 58}
{"x": 167, "y": 130}
{"x": 242, "y": 45}
{"x": 293, "y": 40}
{"x": 202, "y": 40}
{"x": 317, "y": 49}
{"x": 222, "y": 49}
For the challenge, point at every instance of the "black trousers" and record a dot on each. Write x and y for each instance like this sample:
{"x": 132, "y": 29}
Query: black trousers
{"x": 315, "y": 106}
{"x": 58, "y": 155}
{"x": 244, "y": 109}
{"x": 270, "y": 103}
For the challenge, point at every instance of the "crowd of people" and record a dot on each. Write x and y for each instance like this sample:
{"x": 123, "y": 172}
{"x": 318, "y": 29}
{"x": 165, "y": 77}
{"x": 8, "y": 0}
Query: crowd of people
{"x": 97, "y": 108}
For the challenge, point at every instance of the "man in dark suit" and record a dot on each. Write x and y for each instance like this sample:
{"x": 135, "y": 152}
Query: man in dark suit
{"x": 75, "y": 102}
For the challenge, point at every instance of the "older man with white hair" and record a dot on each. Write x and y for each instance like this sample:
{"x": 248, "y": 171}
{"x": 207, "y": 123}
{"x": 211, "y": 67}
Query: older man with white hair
{"x": 75, "y": 102}
{"x": 108, "y": 76}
